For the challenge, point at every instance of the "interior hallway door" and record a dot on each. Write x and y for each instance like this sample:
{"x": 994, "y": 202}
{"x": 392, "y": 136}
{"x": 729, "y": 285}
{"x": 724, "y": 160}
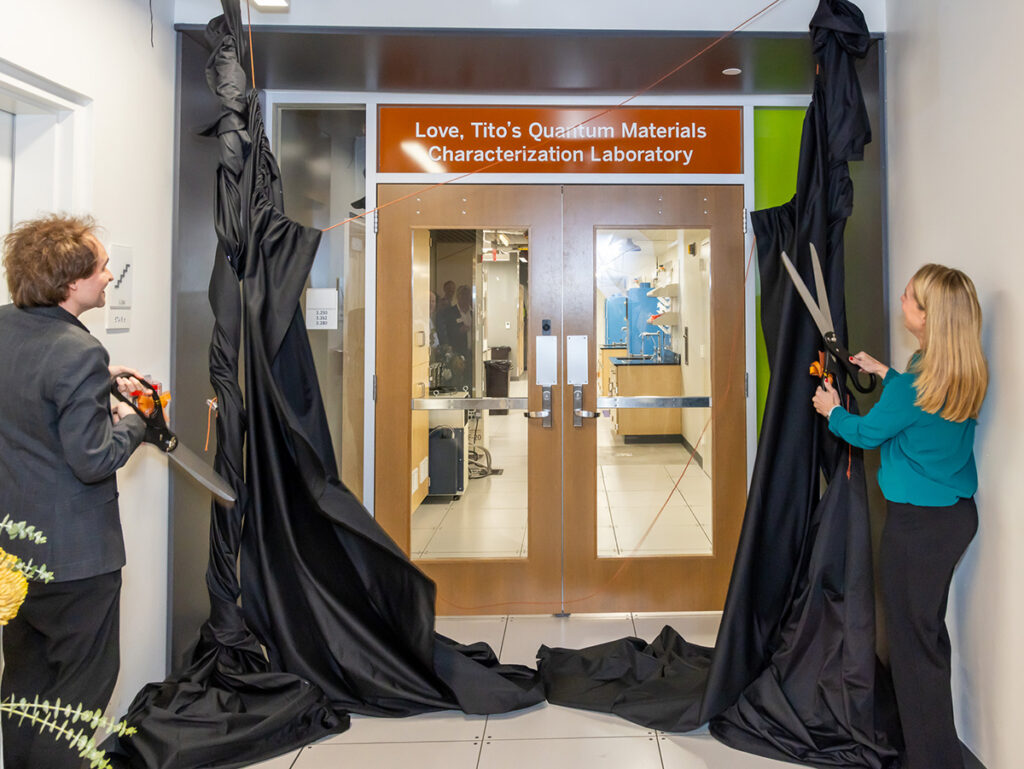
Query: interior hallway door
{"x": 576, "y": 489}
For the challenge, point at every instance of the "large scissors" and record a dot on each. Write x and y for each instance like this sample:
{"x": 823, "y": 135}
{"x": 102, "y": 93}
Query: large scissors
{"x": 836, "y": 355}
{"x": 160, "y": 435}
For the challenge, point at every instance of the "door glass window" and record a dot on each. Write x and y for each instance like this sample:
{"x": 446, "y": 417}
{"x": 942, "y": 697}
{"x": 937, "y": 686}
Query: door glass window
{"x": 322, "y": 154}
{"x": 654, "y": 339}
{"x": 470, "y": 298}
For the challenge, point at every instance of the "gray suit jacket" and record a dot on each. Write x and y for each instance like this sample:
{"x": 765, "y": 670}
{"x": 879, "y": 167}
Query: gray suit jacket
{"x": 59, "y": 447}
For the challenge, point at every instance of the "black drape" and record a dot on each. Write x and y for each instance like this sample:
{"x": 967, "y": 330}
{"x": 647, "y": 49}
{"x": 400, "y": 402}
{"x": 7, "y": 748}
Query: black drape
{"x": 793, "y": 671}
{"x": 227, "y": 707}
{"x": 347, "y": 621}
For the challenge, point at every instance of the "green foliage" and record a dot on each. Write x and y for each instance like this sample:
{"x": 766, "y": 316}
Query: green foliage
{"x": 23, "y": 530}
{"x": 71, "y": 724}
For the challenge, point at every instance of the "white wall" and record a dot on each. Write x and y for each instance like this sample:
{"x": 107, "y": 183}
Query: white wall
{"x": 695, "y": 309}
{"x": 6, "y": 179}
{"x": 502, "y": 280}
{"x": 954, "y": 121}
{"x": 537, "y": 14}
{"x": 101, "y": 49}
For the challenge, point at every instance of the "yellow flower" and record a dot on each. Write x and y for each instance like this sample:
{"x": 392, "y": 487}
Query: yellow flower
{"x": 13, "y": 587}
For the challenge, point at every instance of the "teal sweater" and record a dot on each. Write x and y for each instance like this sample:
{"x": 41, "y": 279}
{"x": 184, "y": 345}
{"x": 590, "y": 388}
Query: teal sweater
{"x": 926, "y": 460}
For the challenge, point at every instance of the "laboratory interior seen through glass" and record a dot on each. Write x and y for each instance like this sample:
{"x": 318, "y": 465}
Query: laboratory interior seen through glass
{"x": 470, "y": 300}
{"x": 654, "y": 339}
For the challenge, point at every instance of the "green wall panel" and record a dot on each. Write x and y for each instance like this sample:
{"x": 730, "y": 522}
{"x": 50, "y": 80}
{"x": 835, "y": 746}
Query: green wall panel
{"x": 776, "y": 153}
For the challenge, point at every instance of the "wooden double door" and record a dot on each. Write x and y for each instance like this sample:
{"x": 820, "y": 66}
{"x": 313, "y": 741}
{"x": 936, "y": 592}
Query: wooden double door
{"x": 509, "y": 374}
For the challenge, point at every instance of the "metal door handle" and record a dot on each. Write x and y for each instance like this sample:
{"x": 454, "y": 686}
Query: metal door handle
{"x": 578, "y": 413}
{"x": 545, "y": 413}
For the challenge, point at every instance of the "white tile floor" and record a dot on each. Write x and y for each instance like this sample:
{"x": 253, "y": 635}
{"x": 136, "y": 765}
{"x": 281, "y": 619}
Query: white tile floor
{"x": 635, "y": 484}
{"x": 543, "y": 737}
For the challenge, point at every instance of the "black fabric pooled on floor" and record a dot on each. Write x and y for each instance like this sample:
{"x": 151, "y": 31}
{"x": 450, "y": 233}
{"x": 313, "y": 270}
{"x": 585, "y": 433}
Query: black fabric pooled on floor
{"x": 347, "y": 621}
{"x": 793, "y": 671}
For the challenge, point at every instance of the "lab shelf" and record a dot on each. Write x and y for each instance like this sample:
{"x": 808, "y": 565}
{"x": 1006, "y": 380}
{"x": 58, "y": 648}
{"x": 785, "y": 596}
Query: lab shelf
{"x": 669, "y": 289}
{"x": 670, "y": 318}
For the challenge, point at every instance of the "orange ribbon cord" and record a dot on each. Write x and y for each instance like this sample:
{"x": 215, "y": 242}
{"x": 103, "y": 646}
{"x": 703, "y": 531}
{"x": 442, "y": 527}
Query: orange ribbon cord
{"x": 595, "y": 116}
{"x": 252, "y": 63}
{"x": 817, "y": 368}
{"x": 212, "y": 403}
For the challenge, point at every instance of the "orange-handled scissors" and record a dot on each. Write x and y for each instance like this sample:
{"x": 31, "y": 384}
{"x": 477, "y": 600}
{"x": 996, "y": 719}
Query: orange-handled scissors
{"x": 838, "y": 356}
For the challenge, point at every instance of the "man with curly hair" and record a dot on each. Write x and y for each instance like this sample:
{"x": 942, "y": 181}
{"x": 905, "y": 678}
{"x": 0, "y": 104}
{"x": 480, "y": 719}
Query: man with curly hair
{"x": 61, "y": 442}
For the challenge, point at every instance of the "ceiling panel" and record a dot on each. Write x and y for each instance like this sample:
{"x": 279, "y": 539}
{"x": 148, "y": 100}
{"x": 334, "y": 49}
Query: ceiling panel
{"x": 527, "y": 62}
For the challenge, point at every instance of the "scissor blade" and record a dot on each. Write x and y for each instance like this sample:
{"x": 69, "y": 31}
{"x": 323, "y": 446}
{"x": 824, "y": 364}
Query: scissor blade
{"x": 819, "y": 286}
{"x": 193, "y": 464}
{"x": 824, "y": 326}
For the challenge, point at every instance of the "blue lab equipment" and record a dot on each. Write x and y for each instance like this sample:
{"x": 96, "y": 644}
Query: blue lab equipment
{"x": 615, "y": 319}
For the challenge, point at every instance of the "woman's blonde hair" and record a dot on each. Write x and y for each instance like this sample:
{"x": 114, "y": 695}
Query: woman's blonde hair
{"x": 952, "y": 375}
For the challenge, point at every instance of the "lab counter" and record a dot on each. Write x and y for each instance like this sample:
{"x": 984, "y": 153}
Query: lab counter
{"x": 634, "y": 376}
{"x": 642, "y": 362}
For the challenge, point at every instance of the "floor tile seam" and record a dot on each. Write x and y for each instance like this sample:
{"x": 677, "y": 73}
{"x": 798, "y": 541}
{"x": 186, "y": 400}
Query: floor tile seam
{"x": 427, "y": 555}
{"x": 477, "y": 536}
{"x": 644, "y": 526}
{"x": 615, "y": 533}
{"x": 423, "y": 528}
{"x": 400, "y": 742}
{"x": 476, "y": 509}
{"x": 666, "y": 521}
{"x": 492, "y": 530}
{"x": 706, "y": 534}
{"x": 426, "y": 545}
{"x": 657, "y": 742}
{"x": 481, "y": 528}
{"x": 476, "y": 512}
{"x": 480, "y": 747}
{"x": 648, "y": 531}
{"x": 611, "y": 517}
{"x": 501, "y": 647}
{"x": 652, "y": 552}
{"x": 578, "y": 737}
{"x": 475, "y": 550}
{"x": 448, "y": 509}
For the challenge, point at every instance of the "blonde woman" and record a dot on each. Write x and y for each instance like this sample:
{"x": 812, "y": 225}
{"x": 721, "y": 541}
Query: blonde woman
{"x": 924, "y": 425}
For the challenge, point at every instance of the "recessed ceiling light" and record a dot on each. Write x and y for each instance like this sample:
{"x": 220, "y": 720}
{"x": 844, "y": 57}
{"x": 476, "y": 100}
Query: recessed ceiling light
{"x": 731, "y": 71}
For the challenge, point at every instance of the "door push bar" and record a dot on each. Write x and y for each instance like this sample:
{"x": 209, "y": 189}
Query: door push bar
{"x": 521, "y": 404}
{"x": 632, "y": 402}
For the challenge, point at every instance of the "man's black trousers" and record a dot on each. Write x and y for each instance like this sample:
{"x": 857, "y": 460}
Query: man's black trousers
{"x": 920, "y": 549}
{"x": 62, "y": 645}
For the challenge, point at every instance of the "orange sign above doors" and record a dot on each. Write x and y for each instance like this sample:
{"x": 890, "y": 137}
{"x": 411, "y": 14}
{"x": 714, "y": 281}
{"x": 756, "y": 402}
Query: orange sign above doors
{"x": 576, "y": 140}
